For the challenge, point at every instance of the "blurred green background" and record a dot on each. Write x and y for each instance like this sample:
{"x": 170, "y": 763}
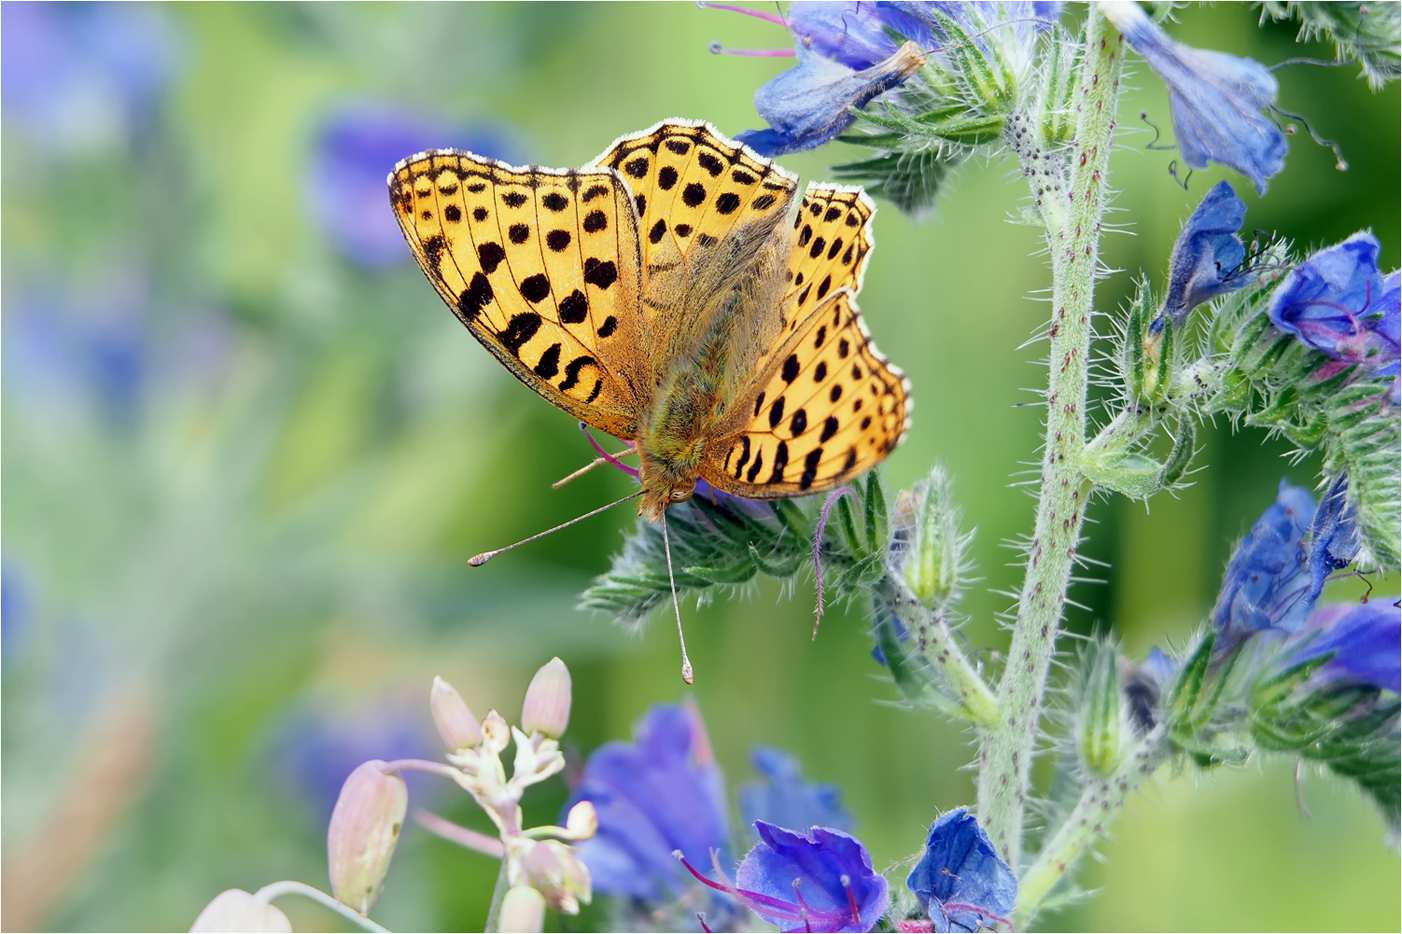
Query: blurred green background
{"x": 247, "y": 453}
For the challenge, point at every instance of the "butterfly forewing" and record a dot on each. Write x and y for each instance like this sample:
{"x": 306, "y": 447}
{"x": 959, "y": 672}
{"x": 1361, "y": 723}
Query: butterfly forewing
{"x": 693, "y": 189}
{"x": 827, "y": 407}
{"x": 543, "y": 268}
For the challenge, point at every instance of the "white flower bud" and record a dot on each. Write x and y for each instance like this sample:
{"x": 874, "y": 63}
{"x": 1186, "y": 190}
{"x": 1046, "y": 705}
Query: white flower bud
{"x": 556, "y": 872}
{"x": 522, "y": 911}
{"x": 364, "y": 830}
{"x": 547, "y": 705}
{"x": 456, "y": 724}
{"x": 496, "y": 732}
{"x": 235, "y": 910}
{"x": 583, "y": 821}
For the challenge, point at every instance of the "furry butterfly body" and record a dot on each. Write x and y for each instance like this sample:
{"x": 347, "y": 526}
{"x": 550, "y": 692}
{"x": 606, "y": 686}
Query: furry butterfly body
{"x": 670, "y": 295}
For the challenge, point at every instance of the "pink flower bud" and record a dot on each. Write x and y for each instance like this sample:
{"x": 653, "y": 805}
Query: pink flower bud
{"x": 522, "y": 911}
{"x": 557, "y": 873}
{"x": 364, "y": 829}
{"x": 456, "y": 724}
{"x": 235, "y": 910}
{"x": 547, "y": 706}
{"x": 496, "y": 731}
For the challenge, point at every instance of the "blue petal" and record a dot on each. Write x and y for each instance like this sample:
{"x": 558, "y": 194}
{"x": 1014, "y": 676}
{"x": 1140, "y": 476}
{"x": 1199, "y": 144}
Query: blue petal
{"x": 1207, "y": 255}
{"x": 1364, "y": 638}
{"x": 1334, "y": 538}
{"x": 818, "y": 860}
{"x": 658, "y": 794}
{"x": 1267, "y": 582}
{"x": 810, "y": 104}
{"x": 851, "y": 33}
{"x": 1337, "y": 302}
{"x": 1216, "y": 99}
{"x": 785, "y": 799}
{"x": 960, "y": 870}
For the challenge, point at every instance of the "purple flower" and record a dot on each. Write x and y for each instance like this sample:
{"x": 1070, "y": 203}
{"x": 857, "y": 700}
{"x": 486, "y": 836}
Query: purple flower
{"x": 83, "y": 76}
{"x": 355, "y": 149}
{"x": 1216, "y": 99}
{"x": 960, "y": 879}
{"x": 784, "y": 798}
{"x": 1334, "y": 538}
{"x": 816, "y": 881}
{"x": 1208, "y": 256}
{"x": 1267, "y": 583}
{"x": 1338, "y": 303}
{"x": 1364, "y": 640}
{"x": 659, "y": 794}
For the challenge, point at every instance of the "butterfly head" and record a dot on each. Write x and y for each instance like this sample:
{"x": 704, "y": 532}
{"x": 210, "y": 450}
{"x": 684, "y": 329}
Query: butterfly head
{"x": 658, "y": 497}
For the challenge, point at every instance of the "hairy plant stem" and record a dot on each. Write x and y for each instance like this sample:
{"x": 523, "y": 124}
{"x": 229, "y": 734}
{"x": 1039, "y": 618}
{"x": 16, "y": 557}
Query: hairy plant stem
{"x": 1101, "y": 799}
{"x": 1072, "y": 215}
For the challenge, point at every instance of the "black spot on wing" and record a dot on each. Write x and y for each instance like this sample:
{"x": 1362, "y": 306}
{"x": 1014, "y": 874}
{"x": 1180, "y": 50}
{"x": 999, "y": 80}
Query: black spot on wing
{"x": 636, "y": 167}
{"x": 759, "y": 404}
{"x": 790, "y": 369}
{"x": 594, "y": 191}
{"x": 490, "y": 255}
{"x": 608, "y": 327}
{"x": 555, "y": 201}
{"x": 513, "y": 199}
{"x": 810, "y": 468}
{"x": 830, "y": 427}
{"x": 693, "y": 194}
{"x": 479, "y": 214}
{"x": 558, "y": 240}
{"x": 781, "y": 460}
{"x": 572, "y": 372}
{"x": 549, "y": 363}
{"x": 744, "y": 455}
{"x": 574, "y": 308}
{"x": 755, "y": 467}
{"x": 666, "y": 178}
{"x": 535, "y": 288}
{"x": 601, "y": 274}
{"x": 519, "y": 233}
{"x": 452, "y": 213}
{"x": 710, "y": 163}
{"x": 659, "y": 229}
{"x": 519, "y": 330}
{"x": 477, "y": 294}
{"x": 799, "y": 423}
{"x": 596, "y": 221}
{"x": 776, "y": 412}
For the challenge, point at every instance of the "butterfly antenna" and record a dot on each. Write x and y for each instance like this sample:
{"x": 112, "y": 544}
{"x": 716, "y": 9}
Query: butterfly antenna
{"x": 478, "y": 560}
{"x": 688, "y": 675}
{"x": 603, "y": 459}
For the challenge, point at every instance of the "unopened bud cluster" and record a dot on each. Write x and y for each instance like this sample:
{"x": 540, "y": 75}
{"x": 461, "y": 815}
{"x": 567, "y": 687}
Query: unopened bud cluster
{"x": 928, "y": 551}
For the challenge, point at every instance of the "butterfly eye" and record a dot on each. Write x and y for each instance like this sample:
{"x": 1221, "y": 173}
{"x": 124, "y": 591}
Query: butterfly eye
{"x": 682, "y": 495}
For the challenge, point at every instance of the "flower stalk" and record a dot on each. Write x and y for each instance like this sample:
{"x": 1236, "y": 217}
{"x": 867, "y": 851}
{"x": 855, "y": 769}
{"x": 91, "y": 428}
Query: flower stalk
{"x": 1072, "y": 218}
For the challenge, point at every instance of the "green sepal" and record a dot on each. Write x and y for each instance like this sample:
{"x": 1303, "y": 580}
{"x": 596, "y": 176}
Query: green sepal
{"x": 1181, "y": 456}
{"x": 1134, "y": 475}
{"x": 875, "y": 513}
{"x": 1182, "y": 697}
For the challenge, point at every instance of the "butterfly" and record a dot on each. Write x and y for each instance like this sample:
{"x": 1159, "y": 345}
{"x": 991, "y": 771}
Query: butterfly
{"x": 670, "y": 294}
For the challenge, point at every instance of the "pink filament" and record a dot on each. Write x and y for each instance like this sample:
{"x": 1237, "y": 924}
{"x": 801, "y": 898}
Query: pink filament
{"x": 718, "y": 49}
{"x": 774, "y": 18}
{"x": 817, "y": 544}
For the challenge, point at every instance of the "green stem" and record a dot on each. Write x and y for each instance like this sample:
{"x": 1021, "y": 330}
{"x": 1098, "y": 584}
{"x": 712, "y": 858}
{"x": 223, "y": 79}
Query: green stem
{"x": 1100, "y": 801}
{"x": 1072, "y": 214}
{"x": 955, "y": 677}
{"x": 499, "y": 893}
{"x": 289, "y": 887}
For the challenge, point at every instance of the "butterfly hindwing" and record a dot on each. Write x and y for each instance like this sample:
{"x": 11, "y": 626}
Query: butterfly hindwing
{"x": 542, "y": 266}
{"x": 827, "y": 407}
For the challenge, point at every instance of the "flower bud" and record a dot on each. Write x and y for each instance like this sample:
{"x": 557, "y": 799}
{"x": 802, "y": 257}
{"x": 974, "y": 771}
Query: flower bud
{"x": 496, "y": 733}
{"x": 235, "y": 910}
{"x": 552, "y": 868}
{"x": 933, "y": 555}
{"x": 547, "y": 705}
{"x": 522, "y": 911}
{"x": 456, "y": 724}
{"x": 364, "y": 829}
{"x": 1101, "y": 718}
{"x": 583, "y": 821}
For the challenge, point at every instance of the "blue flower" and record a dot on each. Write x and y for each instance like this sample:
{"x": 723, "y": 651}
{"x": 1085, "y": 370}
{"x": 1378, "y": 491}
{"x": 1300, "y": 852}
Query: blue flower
{"x": 1143, "y": 686}
{"x": 960, "y": 879}
{"x": 1267, "y": 583}
{"x": 816, "y": 881}
{"x": 812, "y": 103}
{"x": 1216, "y": 99}
{"x": 784, "y": 798}
{"x": 1364, "y": 640}
{"x": 355, "y": 149}
{"x": 1338, "y": 303}
{"x": 659, "y": 794}
{"x": 84, "y": 77}
{"x": 1334, "y": 538}
{"x": 1208, "y": 256}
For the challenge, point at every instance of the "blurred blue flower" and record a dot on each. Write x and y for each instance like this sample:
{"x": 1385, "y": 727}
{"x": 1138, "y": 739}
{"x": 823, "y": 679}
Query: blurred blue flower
{"x": 315, "y": 749}
{"x": 355, "y": 148}
{"x": 1143, "y": 686}
{"x": 1364, "y": 638}
{"x": 1334, "y": 538}
{"x": 1216, "y": 99}
{"x": 784, "y": 798}
{"x": 816, "y": 881}
{"x": 1267, "y": 583}
{"x": 85, "y": 76}
{"x": 661, "y": 793}
{"x": 1338, "y": 303}
{"x": 1208, "y": 256}
{"x": 960, "y": 879}
{"x": 67, "y": 352}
